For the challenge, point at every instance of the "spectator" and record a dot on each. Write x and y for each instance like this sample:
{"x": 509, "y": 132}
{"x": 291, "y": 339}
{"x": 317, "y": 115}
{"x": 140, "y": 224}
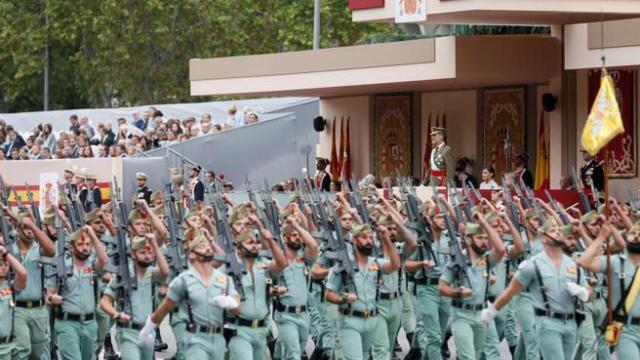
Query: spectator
{"x": 86, "y": 127}
{"x": 15, "y": 142}
{"x": 48, "y": 139}
{"x": 2, "y": 157}
{"x": 139, "y": 122}
{"x": 34, "y": 152}
{"x": 251, "y": 118}
{"x": 87, "y": 152}
{"x": 488, "y": 182}
{"x": 233, "y": 118}
{"x": 121, "y": 150}
{"x": 14, "y": 154}
{"x": 45, "y": 153}
{"x": 107, "y": 137}
{"x": 112, "y": 151}
{"x": 205, "y": 128}
{"x": 194, "y": 131}
{"x": 75, "y": 124}
{"x": 102, "y": 151}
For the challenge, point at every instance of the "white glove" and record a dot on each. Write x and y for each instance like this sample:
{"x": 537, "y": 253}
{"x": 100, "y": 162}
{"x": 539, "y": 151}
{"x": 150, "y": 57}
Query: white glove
{"x": 578, "y": 291}
{"x": 487, "y": 315}
{"x": 226, "y": 302}
{"x": 147, "y": 335}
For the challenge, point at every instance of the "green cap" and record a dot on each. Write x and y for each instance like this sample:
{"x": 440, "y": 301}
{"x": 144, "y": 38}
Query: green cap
{"x": 238, "y": 213}
{"x": 288, "y": 229}
{"x": 196, "y": 241}
{"x": 49, "y": 216}
{"x": 135, "y": 214}
{"x": 473, "y": 229}
{"x": 588, "y": 217}
{"x": 244, "y": 236}
{"x": 159, "y": 210}
{"x": 551, "y": 222}
{"x": 567, "y": 230}
{"x": 192, "y": 212}
{"x": 491, "y": 217}
{"x": 384, "y": 220}
{"x": 530, "y": 213}
{"x": 106, "y": 208}
{"x": 139, "y": 242}
{"x": 24, "y": 213}
{"x": 74, "y": 236}
{"x": 359, "y": 230}
{"x": 91, "y": 216}
{"x": 155, "y": 196}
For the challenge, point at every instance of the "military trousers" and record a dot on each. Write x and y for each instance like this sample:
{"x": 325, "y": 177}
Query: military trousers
{"x": 6, "y": 350}
{"x": 629, "y": 344}
{"x": 495, "y": 333}
{"x": 179, "y": 328}
{"x": 76, "y": 339}
{"x": 433, "y": 311}
{"x": 469, "y": 333}
{"x": 591, "y": 342}
{"x": 199, "y": 346}
{"x": 130, "y": 347}
{"x": 389, "y": 314}
{"x": 557, "y": 338}
{"x": 356, "y": 336}
{"x": 248, "y": 344}
{"x": 293, "y": 333}
{"x": 105, "y": 323}
{"x": 32, "y": 332}
{"x": 527, "y": 348}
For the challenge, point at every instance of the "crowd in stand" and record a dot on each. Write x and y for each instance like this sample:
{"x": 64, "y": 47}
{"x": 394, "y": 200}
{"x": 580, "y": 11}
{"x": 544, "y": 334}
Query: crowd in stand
{"x": 143, "y": 131}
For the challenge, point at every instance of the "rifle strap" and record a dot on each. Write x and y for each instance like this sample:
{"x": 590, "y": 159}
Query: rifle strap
{"x": 545, "y": 300}
{"x": 188, "y": 303}
{"x": 626, "y": 292}
{"x": 487, "y": 286}
{"x": 378, "y": 279}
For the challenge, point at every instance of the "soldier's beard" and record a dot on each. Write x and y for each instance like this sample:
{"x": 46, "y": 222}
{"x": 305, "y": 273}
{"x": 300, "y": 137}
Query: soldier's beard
{"x": 477, "y": 249}
{"x": 81, "y": 256}
{"x": 204, "y": 257}
{"x": 294, "y": 246}
{"x": 250, "y": 254}
{"x": 365, "y": 250}
{"x": 555, "y": 242}
{"x": 144, "y": 264}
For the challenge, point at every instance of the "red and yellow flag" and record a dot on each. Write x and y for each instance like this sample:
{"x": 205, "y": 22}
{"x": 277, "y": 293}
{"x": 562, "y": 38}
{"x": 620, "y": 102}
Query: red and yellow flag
{"x": 346, "y": 159}
{"x": 542, "y": 158}
{"x": 604, "y": 121}
{"x": 334, "y": 166}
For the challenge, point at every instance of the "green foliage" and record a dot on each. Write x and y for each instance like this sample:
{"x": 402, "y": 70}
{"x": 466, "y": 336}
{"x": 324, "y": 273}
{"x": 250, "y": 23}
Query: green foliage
{"x": 128, "y": 52}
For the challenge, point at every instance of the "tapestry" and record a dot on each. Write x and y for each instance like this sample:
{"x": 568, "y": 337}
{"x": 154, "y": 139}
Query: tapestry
{"x": 392, "y": 135}
{"x": 622, "y": 149}
{"x": 503, "y": 122}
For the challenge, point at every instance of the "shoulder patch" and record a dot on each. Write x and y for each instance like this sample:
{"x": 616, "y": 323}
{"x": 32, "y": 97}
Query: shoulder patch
{"x": 373, "y": 266}
{"x": 221, "y": 280}
{"x": 261, "y": 265}
{"x": 572, "y": 270}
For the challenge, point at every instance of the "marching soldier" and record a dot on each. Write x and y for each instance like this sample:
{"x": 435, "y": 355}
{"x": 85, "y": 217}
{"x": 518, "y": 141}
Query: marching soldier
{"x": 142, "y": 190}
{"x": 469, "y": 287}
{"x": 557, "y": 283}
{"x": 441, "y": 163}
{"x": 8, "y": 289}
{"x": 207, "y": 293}
{"x": 358, "y": 312}
{"x": 132, "y": 318}
{"x": 31, "y": 325}
{"x": 76, "y": 328}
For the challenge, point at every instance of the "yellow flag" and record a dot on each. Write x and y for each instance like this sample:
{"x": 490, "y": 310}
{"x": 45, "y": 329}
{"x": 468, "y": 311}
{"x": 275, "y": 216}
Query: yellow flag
{"x": 604, "y": 121}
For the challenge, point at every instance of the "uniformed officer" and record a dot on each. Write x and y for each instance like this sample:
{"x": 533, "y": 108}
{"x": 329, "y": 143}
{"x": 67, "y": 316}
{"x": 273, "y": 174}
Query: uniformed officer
{"x": 291, "y": 315}
{"x": 142, "y": 190}
{"x": 207, "y": 293}
{"x": 359, "y": 317}
{"x": 441, "y": 163}
{"x": 31, "y": 315}
{"x": 75, "y": 296}
{"x": 69, "y": 175}
{"x": 94, "y": 198}
{"x": 592, "y": 173}
{"x": 8, "y": 289}
{"x": 556, "y": 283}
{"x": 195, "y": 190}
{"x": 469, "y": 287}
{"x": 251, "y": 338}
{"x": 83, "y": 190}
{"x": 131, "y": 318}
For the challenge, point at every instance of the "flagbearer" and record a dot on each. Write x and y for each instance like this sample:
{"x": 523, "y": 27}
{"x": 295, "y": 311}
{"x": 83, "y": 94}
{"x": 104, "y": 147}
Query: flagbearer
{"x": 441, "y": 161}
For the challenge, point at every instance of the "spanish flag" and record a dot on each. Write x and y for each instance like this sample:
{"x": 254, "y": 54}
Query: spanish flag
{"x": 542, "y": 158}
{"x": 604, "y": 121}
{"x": 334, "y": 166}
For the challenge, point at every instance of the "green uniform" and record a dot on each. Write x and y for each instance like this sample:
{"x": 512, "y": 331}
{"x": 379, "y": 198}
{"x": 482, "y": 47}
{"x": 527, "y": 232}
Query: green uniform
{"x": 141, "y": 306}
{"x": 7, "y": 316}
{"x": 290, "y": 314}
{"x": 468, "y": 331}
{"x": 250, "y": 341}
{"x": 75, "y": 327}
{"x": 205, "y": 340}
{"x": 622, "y": 273}
{"x": 104, "y": 321}
{"x": 359, "y": 320}
{"x": 555, "y": 323}
{"x": 31, "y": 316}
{"x": 323, "y": 315}
{"x": 432, "y": 310}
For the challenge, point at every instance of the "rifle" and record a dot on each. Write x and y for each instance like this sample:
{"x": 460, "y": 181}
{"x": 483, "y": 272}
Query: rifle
{"x": 523, "y": 199}
{"x": 4, "y": 224}
{"x": 75, "y": 214}
{"x": 355, "y": 200}
{"x": 594, "y": 194}
{"x": 18, "y": 200}
{"x": 532, "y": 200}
{"x": 34, "y": 210}
{"x": 577, "y": 184}
{"x": 59, "y": 261}
{"x": 454, "y": 198}
{"x": 458, "y": 263}
{"x": 272, "y": 215}
{"x": 508, "y": 202}
{"x": 124, "y": 284}
{"x": 556, "y": 208}
{"x": 176, "y": 257}
{"x": 466, "y": 204}
{"x": 235, "y": 268}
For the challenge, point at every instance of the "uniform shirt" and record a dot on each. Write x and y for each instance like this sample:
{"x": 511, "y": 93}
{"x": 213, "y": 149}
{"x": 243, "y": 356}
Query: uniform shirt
{"x": 441, "y": 249}
{"x": 31, "y": 261}
{"x": 6, "y": 309}
{"x": 141, "y": 305}
{"x": 432, "y": 158}
{"x": 78, "y": 291}
{"x": 617, "y": 272}
{"x": 560, "y": 300}
{"x": 478, "y": 275}
{"x": 254, "y": 306}
{"x": 190, "y": 284}
{"x": 365, "y": 282}
{"x": 296, "y": 276}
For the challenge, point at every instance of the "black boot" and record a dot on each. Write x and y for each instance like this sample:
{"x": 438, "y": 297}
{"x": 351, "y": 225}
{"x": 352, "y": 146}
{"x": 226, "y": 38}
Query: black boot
{"x": 54, "y": 353}
{"x": 159, "y": 345}
{"x": 316, "y": 354}
{"x": 409, "y": 338}
{"x": 512, "y": 350}
{"x": 109, "y": 353}
{"x": 271, "y": 344}
{"x": 413, "y": 354}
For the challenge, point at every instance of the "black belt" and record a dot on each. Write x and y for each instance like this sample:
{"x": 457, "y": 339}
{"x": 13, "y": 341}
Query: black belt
{"x": 360, "y": 314}
{"x": 205, "y": 329}
{"x": 427, "y": 281}
{"x": 6, "y": 339}
{"x": 551, "y": 314}
{"x": 29, "y": 304}
{"x": 631, "y": 321}
{"x": 250, "y": 323}
{"x": 460, "y": 305}
{"x": 74, "y": 317}
{"x": 130, "y": 325}
{"x": 291, "y": 309}
{"x": 389, "y": 296}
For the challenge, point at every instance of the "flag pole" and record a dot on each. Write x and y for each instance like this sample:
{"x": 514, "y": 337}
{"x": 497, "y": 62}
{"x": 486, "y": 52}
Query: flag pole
{"x": 606, "y": 214}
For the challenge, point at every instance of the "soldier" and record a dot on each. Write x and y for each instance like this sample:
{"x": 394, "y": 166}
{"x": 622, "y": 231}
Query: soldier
{"x": 484, "y": 249}
{"x": 131, "y": 319}
{"x": 556, "y": 283}
{"x": 31, "y": 316}
{"x": 441, "y": 163}
{"x": 195, "y": 189}
{"x": 69, "y": 175}
{"x": 93, "y": 197}
{"x": 250, "y": 324}
{"x": 291, "y": 315}
{"x": 358, "y": 312}
{"x": 207, "y": 293}
{"x": 8, "y": 289}
{"x": 322, "y": 178}
{"x": 83, "y": 191}
{"x": 592, "y": 173}
{"x": 76, "y": 299}
{"x": 142, "y": 190}
{"x": 157, "y": 199}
